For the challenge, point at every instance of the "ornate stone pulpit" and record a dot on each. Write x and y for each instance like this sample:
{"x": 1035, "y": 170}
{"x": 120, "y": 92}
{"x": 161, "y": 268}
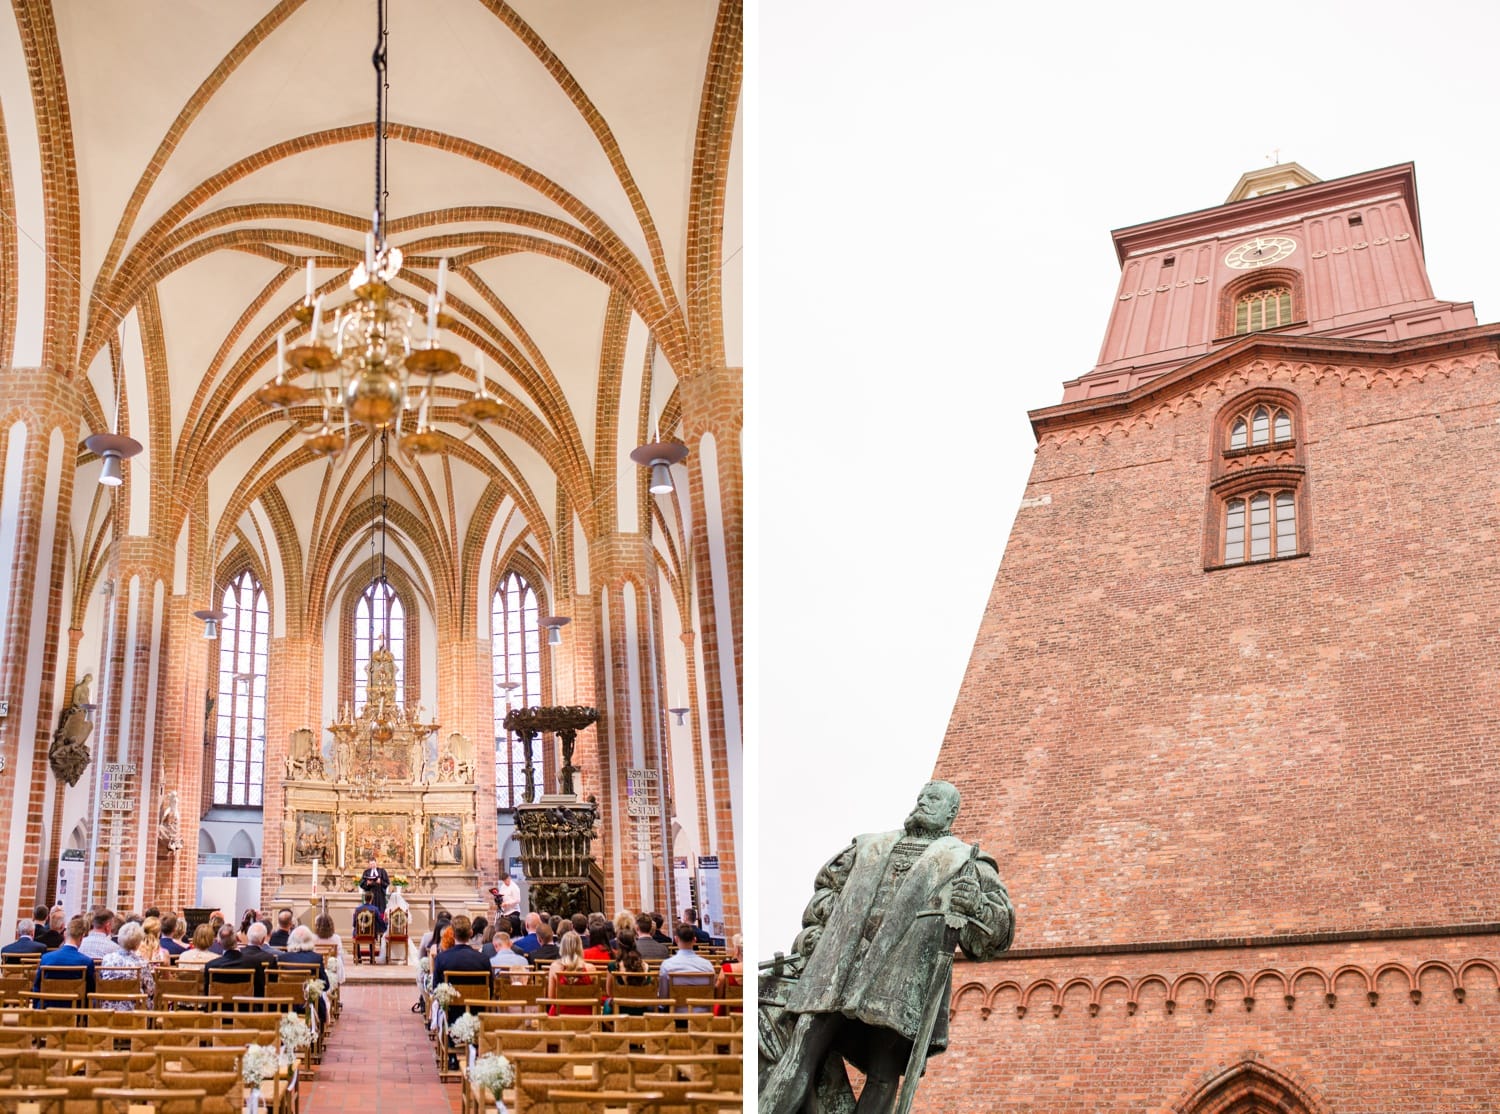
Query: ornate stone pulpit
{"x": 557, "y": 833}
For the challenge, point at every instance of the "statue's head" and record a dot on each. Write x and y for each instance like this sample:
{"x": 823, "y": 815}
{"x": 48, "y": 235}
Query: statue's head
{"x": 937, "y": 805}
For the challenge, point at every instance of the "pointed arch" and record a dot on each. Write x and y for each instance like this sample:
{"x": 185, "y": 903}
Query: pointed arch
{"x": 516, "y": 645}
{"x": 1252, "y": 1087}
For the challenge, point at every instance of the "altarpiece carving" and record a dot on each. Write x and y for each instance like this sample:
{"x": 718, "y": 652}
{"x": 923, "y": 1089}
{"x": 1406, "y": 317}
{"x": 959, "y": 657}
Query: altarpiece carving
{"x": 382, "y": 787}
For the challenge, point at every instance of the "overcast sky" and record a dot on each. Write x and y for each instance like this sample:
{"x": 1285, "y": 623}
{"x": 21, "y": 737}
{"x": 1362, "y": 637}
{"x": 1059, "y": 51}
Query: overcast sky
{"x": 931, "y": 190}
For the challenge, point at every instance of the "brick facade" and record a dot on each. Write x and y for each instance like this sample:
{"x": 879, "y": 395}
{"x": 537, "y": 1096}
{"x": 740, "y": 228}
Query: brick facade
{"x": 1277, "y": 773}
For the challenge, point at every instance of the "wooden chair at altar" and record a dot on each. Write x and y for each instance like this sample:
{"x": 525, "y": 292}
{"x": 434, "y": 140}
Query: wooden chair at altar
{"x": 366, "y": 940}
{"x": 397, "y": 932}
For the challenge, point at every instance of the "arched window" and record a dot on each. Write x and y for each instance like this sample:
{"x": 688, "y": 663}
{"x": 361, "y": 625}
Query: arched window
{"x": 517, "y": 647}
{"x": 240, "y": 714}
{"x": 1258, "y": 499}
{"x": 379, "y": 617}
{"x": 1270, "y": 307}
{"x": 1262, "y": 425}
{"x": 1260, "y": 526}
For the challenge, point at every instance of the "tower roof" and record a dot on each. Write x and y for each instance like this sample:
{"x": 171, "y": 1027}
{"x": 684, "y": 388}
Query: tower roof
{"x": 1271, "y": 179}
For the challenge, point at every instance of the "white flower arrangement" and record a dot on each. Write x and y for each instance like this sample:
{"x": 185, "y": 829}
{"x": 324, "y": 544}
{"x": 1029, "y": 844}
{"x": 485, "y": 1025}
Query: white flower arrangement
{"x": 446, "y": 994}
{"x": 260, "y": 1062}
{"x": 426, "y": 964}
{"x": 313, "y": 990}
{"x": 493, "y": 1072}
{"x": 295, "y": 1033}
{"x": 465, "y": 1030}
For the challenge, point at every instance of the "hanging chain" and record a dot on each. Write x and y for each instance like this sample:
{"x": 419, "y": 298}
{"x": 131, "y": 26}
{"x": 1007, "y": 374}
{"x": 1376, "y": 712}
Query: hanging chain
{"x": 382, "y": 88}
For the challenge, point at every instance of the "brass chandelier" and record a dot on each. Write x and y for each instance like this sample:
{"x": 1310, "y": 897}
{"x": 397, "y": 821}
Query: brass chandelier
{"x": 364, "y": 357}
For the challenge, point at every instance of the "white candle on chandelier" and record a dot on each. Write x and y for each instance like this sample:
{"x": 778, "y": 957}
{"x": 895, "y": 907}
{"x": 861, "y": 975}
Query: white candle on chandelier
{"x": 432, "y": 312}
{"x": 370, "y": 255}
{"x": 338, "y": 331}
{"x": 478, "y": 370}
{"x": 317, "y": 321}
{"x": 442, "y": 289}
{"x": 309, "y": 280}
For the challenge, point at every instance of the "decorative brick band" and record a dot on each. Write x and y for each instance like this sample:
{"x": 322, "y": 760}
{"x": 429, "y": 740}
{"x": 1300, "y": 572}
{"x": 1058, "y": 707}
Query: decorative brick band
{"x": 1268, "y": 984}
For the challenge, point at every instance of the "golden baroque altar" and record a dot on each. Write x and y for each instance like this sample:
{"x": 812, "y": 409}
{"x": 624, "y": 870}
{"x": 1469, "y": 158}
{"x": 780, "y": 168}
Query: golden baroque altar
{"x": 384, "y": 786}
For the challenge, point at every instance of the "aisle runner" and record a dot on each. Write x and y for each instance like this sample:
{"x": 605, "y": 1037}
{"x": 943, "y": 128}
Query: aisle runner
{"x": 378, "y": 1059}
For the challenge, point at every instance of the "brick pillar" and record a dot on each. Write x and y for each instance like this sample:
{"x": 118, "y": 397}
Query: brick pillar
{"x": 629, "y": 732}
{"x": 131, "y": 697}
{"x": 712, "y": 418}
{"x": 294, "y": 691}
{"x": 39, "y": 428}
{"x": 466, "y": 704}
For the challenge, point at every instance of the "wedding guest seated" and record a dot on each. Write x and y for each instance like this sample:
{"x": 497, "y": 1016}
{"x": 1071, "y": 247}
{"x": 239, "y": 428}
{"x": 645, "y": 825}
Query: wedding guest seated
{"x": 460, "y": 957}
{"x": 202, "y": 950}
{"x": 645, "y": 943}
{"x": 98, "y": 944}
{"x": 57, "y": 924}
{"x": 546, "y": 949}
{"x": 323, "y": 927}
{"x": 124, "y": 962}
{"x": 569, "y": 969}
{"x": 69, "y": 955}
{"x": 25, "y": 942}
{"x": 299, "y": 949}
{"x": 505, "y": 956}
{"x": 685, "y": 961}
{"x": 284, "y": 924}
{"x": 253, "y": 956}
{"x": 169, "y": 928}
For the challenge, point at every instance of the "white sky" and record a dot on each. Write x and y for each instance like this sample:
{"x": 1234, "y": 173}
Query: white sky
{"x": 931, "y": 192}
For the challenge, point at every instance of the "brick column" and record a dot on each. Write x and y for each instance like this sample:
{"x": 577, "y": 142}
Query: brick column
{"x": 39, "y": 428}
{"x": 629, "y": 732}
{"x": 465, "y": 704}
{"x": 131, "y": 697}
{"x": 712, "y": 419}
{"x": 294, "y": 692}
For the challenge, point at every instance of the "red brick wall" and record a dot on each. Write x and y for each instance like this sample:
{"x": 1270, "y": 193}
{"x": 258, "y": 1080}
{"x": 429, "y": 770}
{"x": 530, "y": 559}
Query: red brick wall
{"x": 1097, "y": 1051}
{"x": 1155, "y": 752}
{"x": 1159, "y": 752}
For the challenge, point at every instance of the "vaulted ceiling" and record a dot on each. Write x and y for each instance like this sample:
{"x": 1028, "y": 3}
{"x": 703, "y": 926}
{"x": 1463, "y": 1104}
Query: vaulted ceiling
{"x": 576, "y": 161}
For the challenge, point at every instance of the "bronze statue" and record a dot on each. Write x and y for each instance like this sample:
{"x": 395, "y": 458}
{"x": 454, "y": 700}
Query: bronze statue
{"x": 870, "y": 972}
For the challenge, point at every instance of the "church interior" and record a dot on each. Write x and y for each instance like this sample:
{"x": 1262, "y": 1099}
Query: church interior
{"x": 370, "y": 461}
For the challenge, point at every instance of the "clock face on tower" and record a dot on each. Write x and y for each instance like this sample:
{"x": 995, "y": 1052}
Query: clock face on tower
{"x": 1259, "y": 252}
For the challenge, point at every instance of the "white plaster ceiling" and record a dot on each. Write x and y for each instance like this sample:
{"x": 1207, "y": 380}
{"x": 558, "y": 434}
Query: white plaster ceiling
{"x": 459, "y": 72}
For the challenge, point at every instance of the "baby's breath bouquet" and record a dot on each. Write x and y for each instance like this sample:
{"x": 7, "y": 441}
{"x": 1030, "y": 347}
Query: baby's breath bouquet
{"x": 446, "y": 994}
{"x": 465, "y": 1030}
{"x": 295, "y": 1033}
{"x": 426, "y": 964}
{"x": 260, "y": 1062}
{"x": 314, "y": 989}
{"x": 493, "y": 1072}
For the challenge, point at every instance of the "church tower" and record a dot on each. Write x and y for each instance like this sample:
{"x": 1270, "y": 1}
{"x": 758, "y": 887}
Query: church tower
{"x": 1229, "y": 724}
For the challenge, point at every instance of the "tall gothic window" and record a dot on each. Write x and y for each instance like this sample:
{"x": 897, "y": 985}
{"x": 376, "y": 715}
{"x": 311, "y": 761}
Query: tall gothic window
{"x": 379, "y": 617}
{"x": 240, "y": 720}
{"x": 517, "y": 647}
{"x": 1258, "y": 497}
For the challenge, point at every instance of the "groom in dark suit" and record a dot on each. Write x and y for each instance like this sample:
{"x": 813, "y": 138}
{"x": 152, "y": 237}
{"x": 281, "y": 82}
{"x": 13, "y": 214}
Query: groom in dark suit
{"x": 376, "y": 880}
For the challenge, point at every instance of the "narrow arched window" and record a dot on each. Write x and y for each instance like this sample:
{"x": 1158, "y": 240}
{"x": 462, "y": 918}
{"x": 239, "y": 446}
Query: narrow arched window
{"x": 379, "y": 619}
{"x": 1259, "y": 526}
{"x": 1267, "y": 308}
{"x": 240, "y": 711}
{"x": 516, "y": 646}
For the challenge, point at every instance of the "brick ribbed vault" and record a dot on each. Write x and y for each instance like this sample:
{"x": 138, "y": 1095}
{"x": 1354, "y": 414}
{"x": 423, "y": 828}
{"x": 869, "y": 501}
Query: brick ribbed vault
{"x": 577, "y": 187}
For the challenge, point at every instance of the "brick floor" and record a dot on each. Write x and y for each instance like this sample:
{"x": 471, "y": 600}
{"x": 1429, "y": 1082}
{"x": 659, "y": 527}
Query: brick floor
{"x": 379, "y": 1060}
